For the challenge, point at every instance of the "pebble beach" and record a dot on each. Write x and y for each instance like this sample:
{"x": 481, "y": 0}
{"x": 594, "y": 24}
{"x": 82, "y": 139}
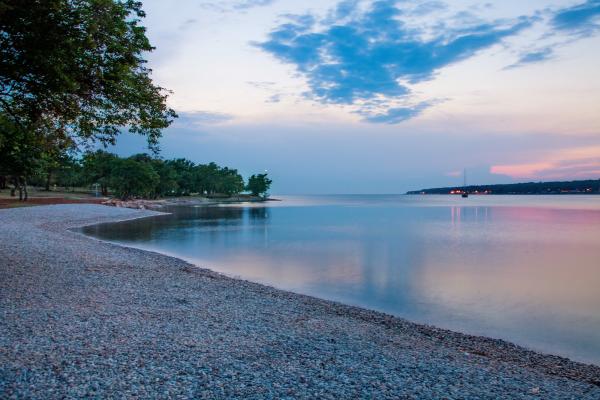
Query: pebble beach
{"x": 81, "y": 318}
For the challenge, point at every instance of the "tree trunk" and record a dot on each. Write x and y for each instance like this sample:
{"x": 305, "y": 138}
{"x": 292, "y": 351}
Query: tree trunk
{"x": 25, "y": 189}
{"x": 13, "y": 190}
{"x": 48, "y": 179}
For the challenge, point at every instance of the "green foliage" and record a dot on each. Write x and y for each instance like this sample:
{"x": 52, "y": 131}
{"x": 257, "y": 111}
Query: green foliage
{"x": 205, "y": 179}
{"x": 186, "y": 178}
{"x": 229, "y": 182}
{"x": 19, "y": 149}
{"x": 259, "y": 185}
{"x": 70, "y": 174}
{"x": 72, "y": 72}
{"x": 210, "y": 179}
{"x": 167, "y": 185}
{"x": 178, "y": 177}
{"x": 97, "y": 168}
{"x": 132, "y": 178}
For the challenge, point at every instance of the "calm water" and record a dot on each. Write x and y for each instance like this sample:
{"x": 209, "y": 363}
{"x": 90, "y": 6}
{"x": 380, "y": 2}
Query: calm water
{"x": 521, "y": 268}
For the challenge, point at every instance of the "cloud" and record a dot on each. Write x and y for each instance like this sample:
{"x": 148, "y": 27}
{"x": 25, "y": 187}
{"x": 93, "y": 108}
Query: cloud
{"x": 201, "y": 118}
{"x": 429, "y": 7}
{"x": 398, "y": 114}
{"x": 372, "y": 55}
{"x": 581, "y": 19}
{"x": 532, "y": 57}
{"x": 572, "y": 163}
{"x": 187, "y": 23}
{"x": 261, "y": 84}
{"x": 454, "y": 174}
{"x": 246, "y": 4}
{"x": 576, "y": 22}
{"x": 275, "y": 94}
{"x": 226, "y": 6}
{"x": 275, "y": 98}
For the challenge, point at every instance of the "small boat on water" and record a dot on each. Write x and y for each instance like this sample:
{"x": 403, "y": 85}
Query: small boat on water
{"x": 465, "y": 194}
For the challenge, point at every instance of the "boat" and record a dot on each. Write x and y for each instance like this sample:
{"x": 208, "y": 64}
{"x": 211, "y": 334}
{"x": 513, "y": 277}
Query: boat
{"x": 465, "y": 194}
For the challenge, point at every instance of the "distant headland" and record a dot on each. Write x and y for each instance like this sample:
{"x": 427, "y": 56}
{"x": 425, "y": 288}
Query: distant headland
{"x": 569, "y": 187}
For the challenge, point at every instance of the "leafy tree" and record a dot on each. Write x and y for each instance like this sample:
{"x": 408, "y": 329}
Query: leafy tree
{"x": 74, "y": 71}
{"x": 167, "y": 184}
{"x": 259, "y": 185}
{"x": 19, "y": 154}
{"x": 97, "y": 168}
{"x": 230, "y": 182}
{"x": 185, "y": 172}
{"x": 206, "y": 178}
{"x": 56, "y": 153}
{"x": 131, "y": 178}
{"x": 70, "y": 173}
{"x": 211, "y": 179}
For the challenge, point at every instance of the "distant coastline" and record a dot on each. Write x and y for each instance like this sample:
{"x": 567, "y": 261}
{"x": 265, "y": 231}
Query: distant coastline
{"x": 527, "y": 188}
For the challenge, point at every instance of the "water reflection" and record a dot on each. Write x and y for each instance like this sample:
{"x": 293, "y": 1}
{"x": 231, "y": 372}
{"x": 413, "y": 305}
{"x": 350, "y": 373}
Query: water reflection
{"x": 521, "y": 270}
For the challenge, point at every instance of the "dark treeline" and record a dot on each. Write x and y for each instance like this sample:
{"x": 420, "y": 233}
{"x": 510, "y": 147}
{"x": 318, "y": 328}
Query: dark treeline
{"x": 143, "y": 176}
{"x": 574, "y": 187}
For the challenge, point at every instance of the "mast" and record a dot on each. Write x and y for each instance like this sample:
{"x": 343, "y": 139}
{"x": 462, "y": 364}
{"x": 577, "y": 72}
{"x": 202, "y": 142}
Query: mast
{"x": 464, "y": 191}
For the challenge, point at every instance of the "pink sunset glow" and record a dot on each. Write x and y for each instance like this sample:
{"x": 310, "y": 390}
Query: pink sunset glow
{"x": 579, "y": 163}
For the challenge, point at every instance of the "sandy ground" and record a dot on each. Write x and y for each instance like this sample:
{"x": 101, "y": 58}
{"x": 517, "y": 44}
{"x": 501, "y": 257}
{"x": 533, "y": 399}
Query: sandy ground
{"x": 83, "y": 318}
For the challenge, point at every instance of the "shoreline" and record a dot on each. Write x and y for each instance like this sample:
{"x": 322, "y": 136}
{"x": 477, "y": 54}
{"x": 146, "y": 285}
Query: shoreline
{"x": 408, "y": 350}
{"x": 158, "y": 204}
{"x": 362, "y": 310}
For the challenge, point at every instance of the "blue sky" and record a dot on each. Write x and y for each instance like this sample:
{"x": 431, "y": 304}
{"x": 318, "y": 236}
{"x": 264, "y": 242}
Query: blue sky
{"x": 381, "y": 96}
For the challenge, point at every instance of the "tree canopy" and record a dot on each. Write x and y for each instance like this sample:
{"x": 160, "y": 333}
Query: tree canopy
{"x": 72, "y": 72}
{"x": 77, "y": 67}
{"x": 144, "y": 175}
{"x": 259, "y": 184}
{"x": 131, "y": 178}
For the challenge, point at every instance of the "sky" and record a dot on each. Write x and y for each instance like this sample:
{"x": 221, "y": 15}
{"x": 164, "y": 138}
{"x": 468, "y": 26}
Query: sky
{"x": 380, "y": 96}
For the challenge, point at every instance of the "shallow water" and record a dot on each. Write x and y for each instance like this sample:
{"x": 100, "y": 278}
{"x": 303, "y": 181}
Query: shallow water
{"x": 521, "y": 268}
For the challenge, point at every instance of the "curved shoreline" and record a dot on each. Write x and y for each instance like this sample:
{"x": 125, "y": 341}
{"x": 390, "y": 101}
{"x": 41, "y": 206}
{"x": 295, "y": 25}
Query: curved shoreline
{"x": 127, "y": 281}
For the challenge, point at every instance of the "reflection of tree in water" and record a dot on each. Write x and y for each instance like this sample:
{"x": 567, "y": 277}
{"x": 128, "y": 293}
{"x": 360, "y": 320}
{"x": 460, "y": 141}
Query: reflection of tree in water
{"x": 180, "y": 217}
{"x": 258, "y": 213}
{"x": 219, "y": 214}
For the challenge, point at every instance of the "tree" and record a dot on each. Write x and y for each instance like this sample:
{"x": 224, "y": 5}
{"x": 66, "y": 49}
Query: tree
{"x": 185, "y": 172}
{"x": 97, "y": 168}
{"x": 259, "y": 185}
{"x": 167, "y": 184}
{"x": 19, "y": 154}
{"x": 56, "y": 152}
{"x": 74, "y": 70}
{"x": 131, "y": 178}
{"x": 70, "y": 173}
{"x": 230, "y": 182}
{"x": 206, "y": 177}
